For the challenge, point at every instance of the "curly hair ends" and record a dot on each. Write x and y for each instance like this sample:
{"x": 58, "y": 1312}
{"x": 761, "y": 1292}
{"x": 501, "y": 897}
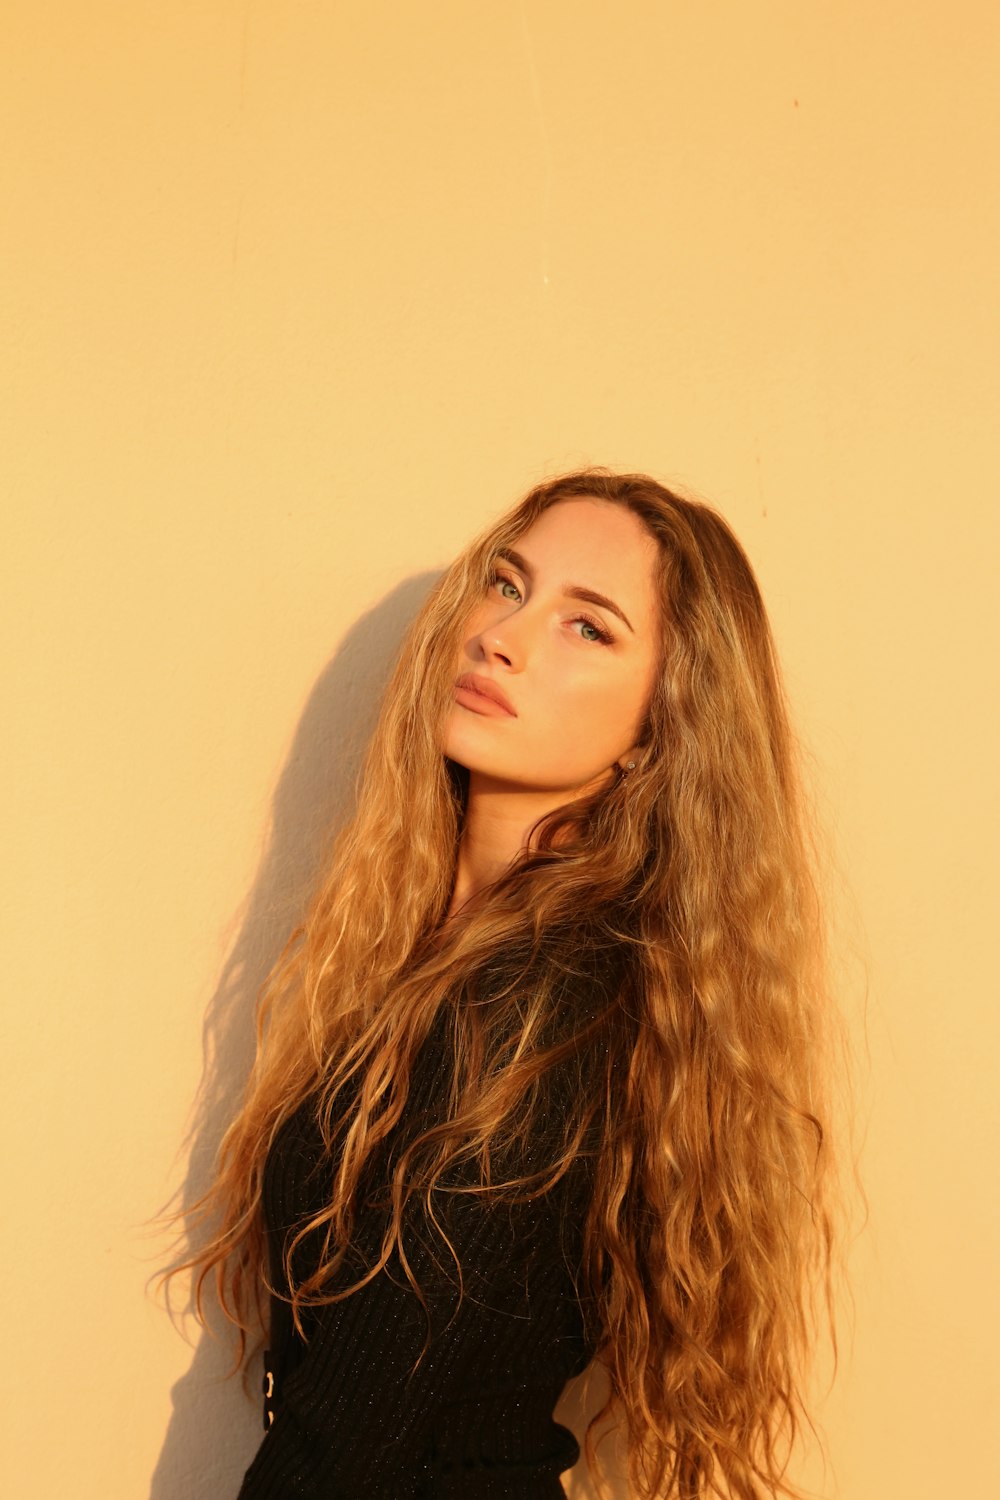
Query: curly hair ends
{"x": 708, "y": 1242}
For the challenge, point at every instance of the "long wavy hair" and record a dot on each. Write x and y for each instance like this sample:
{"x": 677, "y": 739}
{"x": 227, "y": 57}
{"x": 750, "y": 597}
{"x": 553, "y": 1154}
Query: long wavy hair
{"x": 707, "y": 1248}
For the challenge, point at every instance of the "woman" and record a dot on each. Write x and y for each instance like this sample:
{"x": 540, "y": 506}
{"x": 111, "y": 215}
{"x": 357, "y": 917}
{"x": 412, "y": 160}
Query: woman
{"x": 539, "y": 1079}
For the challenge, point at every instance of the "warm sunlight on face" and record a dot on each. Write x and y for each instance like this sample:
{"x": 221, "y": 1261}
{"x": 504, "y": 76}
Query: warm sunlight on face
{"x": 575, "y": 675}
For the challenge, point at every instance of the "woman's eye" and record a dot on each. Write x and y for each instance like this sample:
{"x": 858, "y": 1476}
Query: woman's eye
{"x": 505, "y": 582}
{"x": 599, "y": 633}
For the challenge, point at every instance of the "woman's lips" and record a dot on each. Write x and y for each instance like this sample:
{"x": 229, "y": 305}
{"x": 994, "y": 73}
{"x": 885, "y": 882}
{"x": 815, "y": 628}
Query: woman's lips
{"x": 482, "y": 696}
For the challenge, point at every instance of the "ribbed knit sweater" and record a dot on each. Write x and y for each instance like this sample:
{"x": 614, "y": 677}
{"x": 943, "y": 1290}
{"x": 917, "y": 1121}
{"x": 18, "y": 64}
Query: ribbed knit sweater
{"x": 345, "y": 1417}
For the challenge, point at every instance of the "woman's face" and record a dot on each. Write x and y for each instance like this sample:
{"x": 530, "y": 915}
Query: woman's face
{"x": 576, "y": 676}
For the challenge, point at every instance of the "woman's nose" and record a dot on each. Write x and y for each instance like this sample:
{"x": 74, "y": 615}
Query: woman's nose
{"x": 496, "y": 645}
{"x": 504, "y": 640}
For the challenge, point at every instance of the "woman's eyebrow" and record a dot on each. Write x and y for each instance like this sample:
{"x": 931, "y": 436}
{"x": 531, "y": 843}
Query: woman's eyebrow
{"x": 571, "y": 590}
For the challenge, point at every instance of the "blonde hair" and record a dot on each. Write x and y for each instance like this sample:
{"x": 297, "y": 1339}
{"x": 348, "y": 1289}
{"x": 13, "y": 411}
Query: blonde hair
{"x": 708, "y": 1242}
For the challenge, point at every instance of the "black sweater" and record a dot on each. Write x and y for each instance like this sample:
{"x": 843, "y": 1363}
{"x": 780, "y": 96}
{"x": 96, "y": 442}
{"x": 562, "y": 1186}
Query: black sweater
{"x": 345, "y": 1418}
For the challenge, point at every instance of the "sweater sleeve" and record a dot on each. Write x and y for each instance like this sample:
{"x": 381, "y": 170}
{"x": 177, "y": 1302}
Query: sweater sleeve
{"x": 353, "y": 1420}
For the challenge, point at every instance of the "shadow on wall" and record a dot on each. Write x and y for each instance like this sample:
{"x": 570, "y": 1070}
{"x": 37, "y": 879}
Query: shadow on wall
{"x": 215, "y": 1425}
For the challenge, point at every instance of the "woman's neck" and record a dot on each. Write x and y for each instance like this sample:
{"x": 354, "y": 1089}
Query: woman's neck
{"x": 498, "y": 821}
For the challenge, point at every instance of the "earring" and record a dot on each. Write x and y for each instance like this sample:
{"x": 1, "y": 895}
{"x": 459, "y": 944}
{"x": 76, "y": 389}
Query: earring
{"x": 626, "y": 769}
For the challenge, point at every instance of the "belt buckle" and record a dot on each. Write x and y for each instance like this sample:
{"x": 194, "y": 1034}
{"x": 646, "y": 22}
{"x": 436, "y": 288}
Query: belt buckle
{"x": 268, "y": 1387}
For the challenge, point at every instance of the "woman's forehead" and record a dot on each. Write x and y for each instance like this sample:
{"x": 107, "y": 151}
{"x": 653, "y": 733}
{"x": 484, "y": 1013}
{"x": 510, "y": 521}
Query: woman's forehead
{"x": 593, "y": 544}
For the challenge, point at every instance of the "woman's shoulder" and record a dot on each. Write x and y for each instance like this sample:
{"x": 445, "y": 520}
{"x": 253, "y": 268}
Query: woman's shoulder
{"x": 590, "y": 993}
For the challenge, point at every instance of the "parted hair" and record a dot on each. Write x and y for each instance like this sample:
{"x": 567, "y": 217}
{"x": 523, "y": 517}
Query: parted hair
{"x": 707, "y": 1246}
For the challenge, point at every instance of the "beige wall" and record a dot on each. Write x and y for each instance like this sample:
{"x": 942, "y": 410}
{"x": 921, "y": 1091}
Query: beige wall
{"x": 297, "y": 297}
